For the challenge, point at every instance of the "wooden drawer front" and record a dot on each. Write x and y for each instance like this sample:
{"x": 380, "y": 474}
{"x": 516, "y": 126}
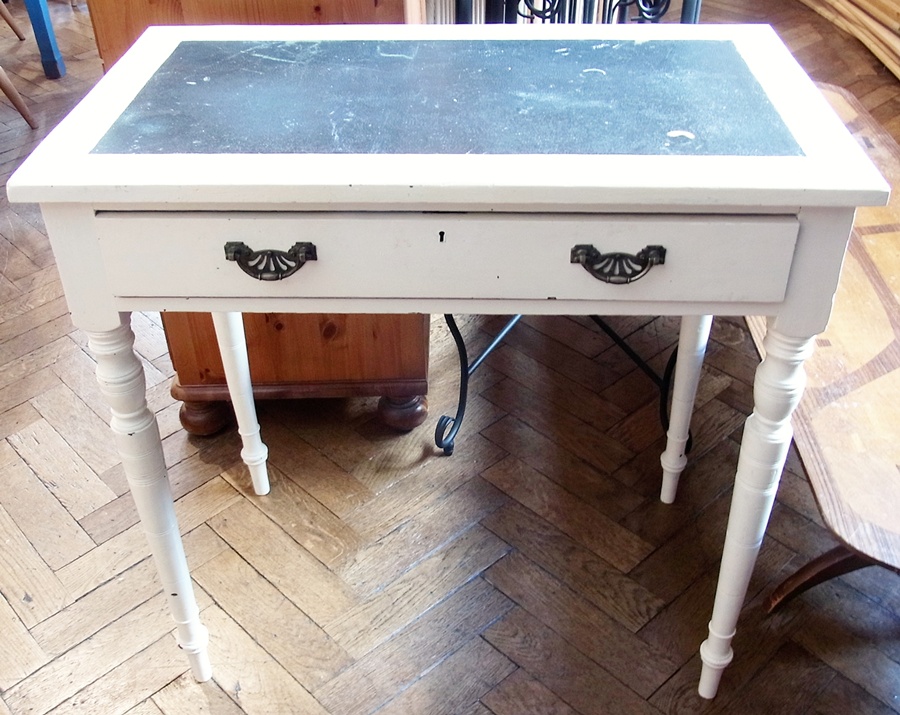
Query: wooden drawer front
{"x": 390, "y": 255}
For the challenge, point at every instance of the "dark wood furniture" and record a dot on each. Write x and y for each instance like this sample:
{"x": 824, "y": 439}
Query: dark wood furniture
{"x": 294, "y": 356}
{"x": 118, "y": 24}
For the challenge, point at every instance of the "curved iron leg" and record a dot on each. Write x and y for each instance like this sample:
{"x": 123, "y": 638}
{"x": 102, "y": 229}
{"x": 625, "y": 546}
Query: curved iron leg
{"x": 443, "y": 438}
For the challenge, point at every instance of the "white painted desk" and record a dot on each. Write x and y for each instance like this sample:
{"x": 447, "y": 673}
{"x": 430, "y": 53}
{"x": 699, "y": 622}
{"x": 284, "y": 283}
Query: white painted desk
{"x": 449, "y": 169}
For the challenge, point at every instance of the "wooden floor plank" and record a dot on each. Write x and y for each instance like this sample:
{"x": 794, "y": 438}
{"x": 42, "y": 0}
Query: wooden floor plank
{"x": 375, "y": 566}
{"x": 115, "y": 598}
{"x": 249, "y": 675}
{"x": 870, "y": 668}
{"x": 61, "y": 469}
{"x": 555, "y": 387}
{"x": 325, "y": 535}
{"x": 455, "y": 684}
{"x": 28, "y": 584}
{"x": 604, "y": 537}
{"x": 79, "y": 426}
{"x": 130, "y": 547}
{"x": 24, "y": 495}
{"x": 271, "y": 620}
{"x": 391, "y": 667}
{"x": 641, "y": 666}
{"x": 606, "y": 587}
{"x": 570, "y": 675}
{"x": 20, "y": 655}
{"x": 592, "y": 445}
{"x": 185, "y": 695}
{"x": 427, "y": 486}
{"x": 210, "y": 460}
{"x": 369, "y": 624}
{"x": 841, "y": 696}
{"x": 321, "y": 478}
{"x": 130, "y": 683}
{"x": 302, "y": 578}
{"x": 520, "y": 694}
{"x": 82, "y": 665}
{"x": 786, "y": 683}
{"x": 603, "y": 492}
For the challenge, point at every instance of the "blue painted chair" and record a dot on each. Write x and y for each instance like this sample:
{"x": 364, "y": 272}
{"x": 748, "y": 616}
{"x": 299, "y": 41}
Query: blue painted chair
{"x": 51, "y": 59}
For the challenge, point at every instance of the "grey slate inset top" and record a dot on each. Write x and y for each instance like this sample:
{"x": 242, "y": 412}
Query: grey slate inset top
{"x": 452, "y": 97}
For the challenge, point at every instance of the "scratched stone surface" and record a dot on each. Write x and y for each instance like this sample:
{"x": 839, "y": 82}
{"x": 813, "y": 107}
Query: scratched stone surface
{"x": 452, "y": 97}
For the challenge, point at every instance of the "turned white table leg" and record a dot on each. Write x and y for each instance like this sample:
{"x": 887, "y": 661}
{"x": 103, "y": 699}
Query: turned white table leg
{"x": 121, "y": 379}
{"x": 692, "y": 341}
{"x": 233, "y": 348}
{"x": 767, "y": 436}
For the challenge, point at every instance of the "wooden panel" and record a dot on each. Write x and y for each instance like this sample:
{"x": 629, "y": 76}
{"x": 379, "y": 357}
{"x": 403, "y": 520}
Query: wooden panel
{"x": 118, "y": 24}
{"x": 336, "y": 349}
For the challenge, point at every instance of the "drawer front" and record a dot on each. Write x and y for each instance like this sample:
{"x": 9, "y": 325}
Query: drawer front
{"x": 452, "y": 256}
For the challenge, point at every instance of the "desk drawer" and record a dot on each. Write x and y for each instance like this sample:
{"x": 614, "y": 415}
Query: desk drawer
{"x": 453, "y": 256}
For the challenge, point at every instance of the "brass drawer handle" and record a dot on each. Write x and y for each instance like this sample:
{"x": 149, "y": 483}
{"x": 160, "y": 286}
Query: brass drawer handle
{"x": 618, "y": 268}
{"x": 270, "y": 264}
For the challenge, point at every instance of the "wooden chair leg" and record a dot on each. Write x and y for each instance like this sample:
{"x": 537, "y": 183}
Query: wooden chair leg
{"x": 13, "y": 25}
{"x": 837, "y": 562}
{"x": 13, "y": 95}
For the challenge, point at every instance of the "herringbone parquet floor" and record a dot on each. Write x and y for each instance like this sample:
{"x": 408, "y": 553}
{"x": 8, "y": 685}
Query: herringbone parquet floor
{"x": 534, "y": 572}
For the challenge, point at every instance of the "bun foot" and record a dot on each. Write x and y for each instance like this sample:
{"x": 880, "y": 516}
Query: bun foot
{"x": 403, "y": 413}
{"x": 204, "y": 419}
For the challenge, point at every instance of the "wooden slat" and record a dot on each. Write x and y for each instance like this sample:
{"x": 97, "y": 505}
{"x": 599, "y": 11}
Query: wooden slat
{"x": 23, "y": 496}
{"x": 641, "y": 666}
{"x": 875, "y": 25}
{"x": 454, "y": 684}
{"x": 520, "y": 694}
{"x": 606, "y": 587}
{"x": 249, "y": 675}
{"x": 389, "y": 668}
{"x": 20, "y": 655}
{"x": 604, "y": 537}
{"x": 185, "y": 695}
{"x": 79, "y": 667}
{"x": 271, "y": 620}
{"x": 61, "y": 469}
{"x": 128, "y": 548}
{"x": 369, "y": 624}
{"x": 115, "y": 598}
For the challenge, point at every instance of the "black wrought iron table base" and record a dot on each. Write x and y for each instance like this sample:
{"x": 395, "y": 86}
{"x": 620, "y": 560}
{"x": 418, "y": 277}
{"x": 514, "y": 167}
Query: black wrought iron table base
{"x": 448, "y": 427}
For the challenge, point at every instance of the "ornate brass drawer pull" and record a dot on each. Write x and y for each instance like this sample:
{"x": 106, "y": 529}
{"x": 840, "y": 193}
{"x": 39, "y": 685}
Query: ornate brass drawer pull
{"x": 618, "y": 268}
{"x": 270, "y": 264}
